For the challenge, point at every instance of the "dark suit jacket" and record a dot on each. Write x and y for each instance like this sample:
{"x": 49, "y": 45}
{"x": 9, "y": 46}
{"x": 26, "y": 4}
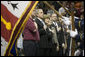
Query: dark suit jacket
{"x": 49, "y": 38}
{"x": 43, "y": 38}
{"x": 61, "y": 36}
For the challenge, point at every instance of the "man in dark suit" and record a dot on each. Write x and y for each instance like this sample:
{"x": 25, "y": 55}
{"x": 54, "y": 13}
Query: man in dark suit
{"x": 42, "y": 32}
{"x": 59, "y": 26}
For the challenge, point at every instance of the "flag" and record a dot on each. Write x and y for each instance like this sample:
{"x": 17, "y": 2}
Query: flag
{"x": 14, "y": 15}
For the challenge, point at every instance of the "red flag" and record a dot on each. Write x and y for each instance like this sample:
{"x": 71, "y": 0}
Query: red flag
{"x": 12, "y": 15}
{"x": 8, "y": 17}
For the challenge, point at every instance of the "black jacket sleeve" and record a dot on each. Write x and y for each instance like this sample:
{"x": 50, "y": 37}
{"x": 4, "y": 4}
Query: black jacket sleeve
{"x": 40, "y": 27}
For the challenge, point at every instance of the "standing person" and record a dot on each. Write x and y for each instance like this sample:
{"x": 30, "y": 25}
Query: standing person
{"x": 66, "y": 24}
{"x": 62, "y": 11}
{"x": 31, "y": 38}
{"x": 54, "y": 20}
{"x": 42, "y": 32}
{"x": 60, "y": 38}
{"x": 55, "y": 36}
{"x": 80, "y": 36}
{"x": 49, "y": 34}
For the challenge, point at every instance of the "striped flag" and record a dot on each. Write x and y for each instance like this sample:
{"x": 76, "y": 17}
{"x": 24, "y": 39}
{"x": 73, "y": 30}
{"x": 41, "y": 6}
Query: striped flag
{"x": 14, "y": 15}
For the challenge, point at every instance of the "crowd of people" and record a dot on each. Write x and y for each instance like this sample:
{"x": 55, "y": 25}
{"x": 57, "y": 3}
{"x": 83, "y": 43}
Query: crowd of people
{"x": 46, "y": 34}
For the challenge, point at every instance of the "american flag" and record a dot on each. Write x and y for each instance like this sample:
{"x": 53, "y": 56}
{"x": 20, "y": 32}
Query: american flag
{"x": 14, "y": 14}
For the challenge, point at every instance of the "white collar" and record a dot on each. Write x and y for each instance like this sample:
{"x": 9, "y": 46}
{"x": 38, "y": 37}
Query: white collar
{"x": 40, "y": 19}
{"x": 76, "y": 17}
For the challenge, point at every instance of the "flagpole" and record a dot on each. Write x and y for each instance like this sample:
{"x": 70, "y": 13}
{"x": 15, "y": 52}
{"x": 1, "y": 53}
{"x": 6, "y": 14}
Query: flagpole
{"x": 63, "y": 7}
{"x": 70, "y": 47}
{"x": 73, "y": 39}
{"x": 73, "y": 28}
{"x": 52, "y": 8}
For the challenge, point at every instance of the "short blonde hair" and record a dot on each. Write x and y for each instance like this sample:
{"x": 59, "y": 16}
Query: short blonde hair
{"x": 46, "y": 16}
